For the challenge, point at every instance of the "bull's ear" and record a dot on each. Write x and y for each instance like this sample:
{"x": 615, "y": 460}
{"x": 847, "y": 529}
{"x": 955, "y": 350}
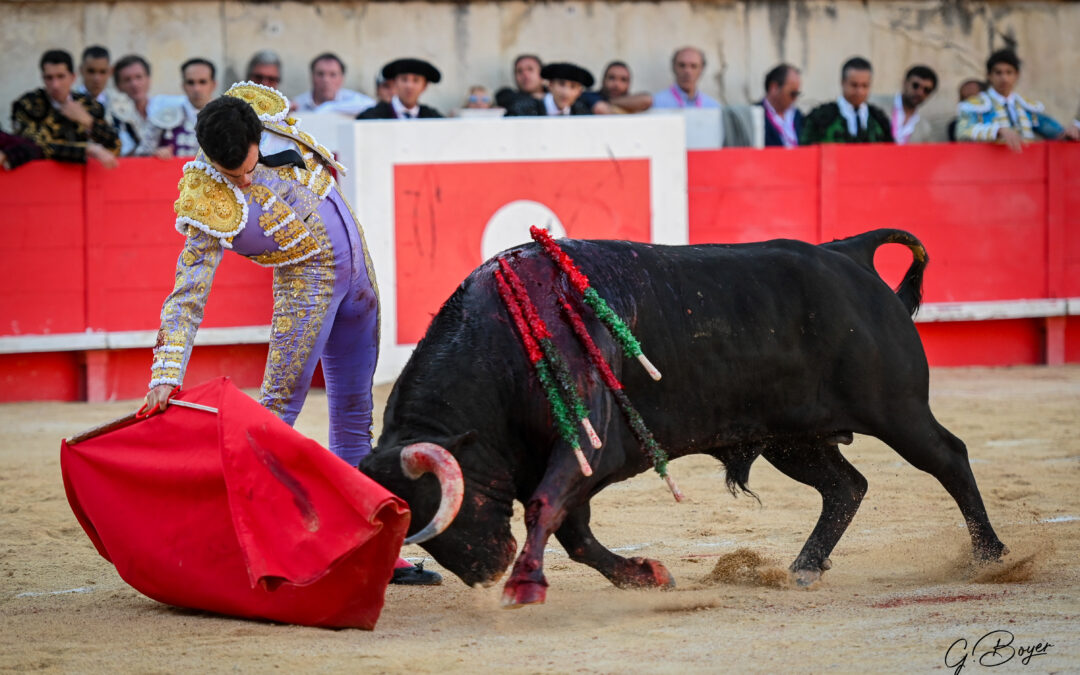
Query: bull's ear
{"x": 455, "y": 442}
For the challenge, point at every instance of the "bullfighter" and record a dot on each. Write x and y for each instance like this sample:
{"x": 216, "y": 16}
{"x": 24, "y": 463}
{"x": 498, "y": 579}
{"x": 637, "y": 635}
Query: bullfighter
{"x": 264, "y": 188}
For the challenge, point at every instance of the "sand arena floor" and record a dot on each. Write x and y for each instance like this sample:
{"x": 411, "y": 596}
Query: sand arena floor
{"x": 899, "y": 594}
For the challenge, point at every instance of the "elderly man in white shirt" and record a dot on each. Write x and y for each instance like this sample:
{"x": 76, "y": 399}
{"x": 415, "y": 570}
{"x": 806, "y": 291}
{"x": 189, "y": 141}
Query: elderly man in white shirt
{"x": 327, "y": 91}
{"x": 687, "y": 64}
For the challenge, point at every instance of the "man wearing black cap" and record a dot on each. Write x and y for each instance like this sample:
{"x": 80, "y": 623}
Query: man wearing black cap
{"x": 567, "y": 82}
{"x": 410, "y": 78}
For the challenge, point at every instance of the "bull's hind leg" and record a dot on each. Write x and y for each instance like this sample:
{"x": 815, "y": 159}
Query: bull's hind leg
{"x": 578, "y": 540}
{"x": 930, "y": 447}
{"x": 822, "y": 467}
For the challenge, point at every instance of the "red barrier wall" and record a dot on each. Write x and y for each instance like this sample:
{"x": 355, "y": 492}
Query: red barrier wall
{"x": 92, "y": 250}
{"x": 95, "y": 250}
{"x": 997, "y": 226}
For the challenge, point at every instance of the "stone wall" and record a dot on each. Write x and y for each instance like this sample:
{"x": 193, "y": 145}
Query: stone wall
{"x": 474, "y": 43}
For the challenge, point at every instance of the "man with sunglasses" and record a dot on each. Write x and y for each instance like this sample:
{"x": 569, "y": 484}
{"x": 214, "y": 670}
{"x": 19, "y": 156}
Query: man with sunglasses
{"x": 783, "y": 121}
{"x": 907, "y": 126}
{"x": 265, "y": 68}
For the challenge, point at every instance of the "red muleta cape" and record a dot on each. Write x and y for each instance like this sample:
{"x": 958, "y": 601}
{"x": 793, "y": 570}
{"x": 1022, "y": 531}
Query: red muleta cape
{"x": 236, "y": 513}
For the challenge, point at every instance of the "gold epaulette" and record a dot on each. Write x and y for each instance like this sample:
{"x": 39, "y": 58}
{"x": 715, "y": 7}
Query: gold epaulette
{"x": 209, "y": 202}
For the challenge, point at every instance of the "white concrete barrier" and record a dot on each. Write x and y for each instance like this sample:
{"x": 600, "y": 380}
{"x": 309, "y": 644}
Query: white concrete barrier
{"x": 377, "y": 150}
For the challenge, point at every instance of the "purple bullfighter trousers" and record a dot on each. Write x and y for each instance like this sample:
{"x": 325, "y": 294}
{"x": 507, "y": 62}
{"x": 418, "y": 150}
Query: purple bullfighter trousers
{"x": 327, "y": 308}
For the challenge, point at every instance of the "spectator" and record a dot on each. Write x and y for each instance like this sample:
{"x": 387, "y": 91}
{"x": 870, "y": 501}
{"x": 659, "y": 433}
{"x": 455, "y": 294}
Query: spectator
{"x": 327, "y": 92}
{"x": 906, "y": 124}
{"x": 65, "y": 125}
{"x": 411, "y": 78}
{"x": 265, "y": 68}
{"x": 479, "y": 97}
{"x": 567, "y": 82}
{"x": 849, "y": 119}
{"x": 968, "y": 89}
{"x": 1000, "y": 114}
{"x": 614, "y": 86}
{"x": 139, "y": 135}
{"x": 783, "y": 121}
{"x": 384, "y": 88}
{"x": 688, "y": 63}
{"x": 96, "y": 71}
{"x": 530, "y": 84}
{"x": 177, "y": 122}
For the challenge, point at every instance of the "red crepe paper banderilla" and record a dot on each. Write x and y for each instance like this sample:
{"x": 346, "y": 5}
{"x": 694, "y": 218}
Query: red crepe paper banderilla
{"x": 551, "y": 367}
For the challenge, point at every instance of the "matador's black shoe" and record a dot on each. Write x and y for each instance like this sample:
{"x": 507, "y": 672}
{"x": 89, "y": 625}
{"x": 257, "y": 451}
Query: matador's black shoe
{"x": 416, "y": 576}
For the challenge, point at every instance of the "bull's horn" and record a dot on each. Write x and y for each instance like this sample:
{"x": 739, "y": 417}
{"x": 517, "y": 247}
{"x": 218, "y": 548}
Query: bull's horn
{"x": 420, "y": 458}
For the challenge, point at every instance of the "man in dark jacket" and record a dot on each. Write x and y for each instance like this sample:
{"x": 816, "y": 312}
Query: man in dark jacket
{"x": 567, "y": 82}
{"x": 410, "y": 77}
{"x": 849, "y": 119}
{"x": 783, "y": 121}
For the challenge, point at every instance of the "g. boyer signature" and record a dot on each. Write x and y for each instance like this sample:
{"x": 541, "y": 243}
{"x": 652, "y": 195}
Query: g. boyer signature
{"x": 996, "y": 648}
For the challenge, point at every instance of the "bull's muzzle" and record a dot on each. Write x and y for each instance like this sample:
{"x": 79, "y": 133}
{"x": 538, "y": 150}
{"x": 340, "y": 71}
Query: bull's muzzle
{"x": 420, "y": 458}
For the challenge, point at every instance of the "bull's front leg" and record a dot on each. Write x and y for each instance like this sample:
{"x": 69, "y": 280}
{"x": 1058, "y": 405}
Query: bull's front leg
{"x": 544, "y": 514}
{"x": 527, "y": 585}
{"x": 577, "y": 538}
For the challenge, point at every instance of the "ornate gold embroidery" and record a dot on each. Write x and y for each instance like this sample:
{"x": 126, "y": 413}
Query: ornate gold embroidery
{"x": 269, "y": 104}
{"x": 209, "y": 203}
{"x": 293, "y": 238}
{"x": 302, "y": 295}
{"x": 183, "y": 309}
{"x": 305, "y": 249}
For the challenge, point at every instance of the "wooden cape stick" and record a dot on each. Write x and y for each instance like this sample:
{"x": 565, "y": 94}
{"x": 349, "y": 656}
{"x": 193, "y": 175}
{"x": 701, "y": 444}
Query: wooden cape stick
{"x": 131, "y": 418}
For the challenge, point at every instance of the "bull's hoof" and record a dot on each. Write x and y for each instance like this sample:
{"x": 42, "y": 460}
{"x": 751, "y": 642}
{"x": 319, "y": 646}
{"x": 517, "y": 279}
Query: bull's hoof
{"x": 644, "y": 573}
{"x": 990, "y": 553}
{"x": 520, "y": 593}
{"x": 806, "y": 578}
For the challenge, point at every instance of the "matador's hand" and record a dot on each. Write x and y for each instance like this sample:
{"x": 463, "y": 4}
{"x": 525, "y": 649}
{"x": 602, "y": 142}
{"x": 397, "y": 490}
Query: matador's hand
{"x": 158, "y": 398}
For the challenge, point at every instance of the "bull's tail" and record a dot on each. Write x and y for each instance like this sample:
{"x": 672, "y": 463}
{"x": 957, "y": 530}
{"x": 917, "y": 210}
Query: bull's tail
{"x": 861, "y": 249}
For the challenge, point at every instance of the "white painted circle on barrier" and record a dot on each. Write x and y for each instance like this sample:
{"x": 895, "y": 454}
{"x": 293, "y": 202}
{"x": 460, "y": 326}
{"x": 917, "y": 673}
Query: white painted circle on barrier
{"x": 509, "y": 226}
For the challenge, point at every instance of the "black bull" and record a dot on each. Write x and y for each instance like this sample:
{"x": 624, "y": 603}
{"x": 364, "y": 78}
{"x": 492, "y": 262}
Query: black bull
{"x": 780, "y": 349}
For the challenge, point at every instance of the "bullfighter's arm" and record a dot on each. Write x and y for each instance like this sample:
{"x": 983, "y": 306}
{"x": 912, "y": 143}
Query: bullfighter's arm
{"x": 183, "y": 309}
